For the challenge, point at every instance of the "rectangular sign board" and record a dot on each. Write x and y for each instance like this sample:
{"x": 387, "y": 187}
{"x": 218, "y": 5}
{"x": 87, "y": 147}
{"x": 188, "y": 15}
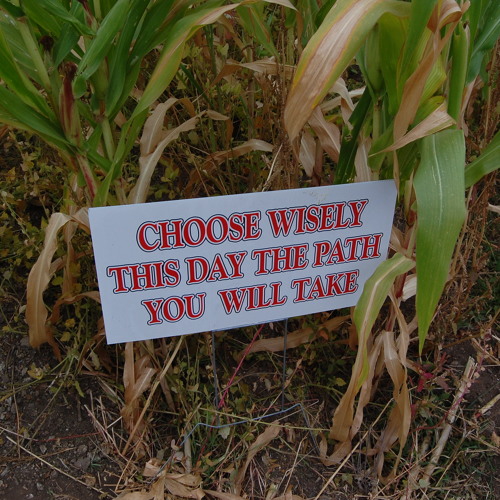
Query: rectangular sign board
{"x": 179, "y": 267}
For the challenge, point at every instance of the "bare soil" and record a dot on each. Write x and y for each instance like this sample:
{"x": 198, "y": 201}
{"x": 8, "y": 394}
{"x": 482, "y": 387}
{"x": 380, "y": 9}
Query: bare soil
{"x": 49, "y": 446}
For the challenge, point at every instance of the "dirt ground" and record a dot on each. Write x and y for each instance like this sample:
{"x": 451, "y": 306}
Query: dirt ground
{"x": 51, "y": 445}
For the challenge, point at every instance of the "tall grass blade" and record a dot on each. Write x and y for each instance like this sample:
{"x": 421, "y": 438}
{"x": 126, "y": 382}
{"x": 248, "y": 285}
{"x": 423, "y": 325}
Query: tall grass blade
{"x": 171, "y": 55}
{"x": 252, "y": 19}
{"x": 345, "y": 167}
{"x": 439, "y": 188}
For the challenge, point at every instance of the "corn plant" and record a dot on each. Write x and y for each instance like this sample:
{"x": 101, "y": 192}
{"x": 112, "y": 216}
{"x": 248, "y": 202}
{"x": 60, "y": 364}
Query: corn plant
{"x": 70, "y": 74}
{"x": 420, "y": 61}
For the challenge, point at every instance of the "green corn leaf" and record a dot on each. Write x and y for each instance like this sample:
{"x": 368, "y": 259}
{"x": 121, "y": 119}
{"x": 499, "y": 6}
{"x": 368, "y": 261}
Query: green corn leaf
{"x": 329, "y": 52}
{"x": 171, "y": 55}
{"x": 459, "y": 54}
{"x": 439, "y": 188}
{"x": 421, "y": 11}
{"x": 34, "y": 11}
{"x": 68, "y": 40}
{"x": 40, "y": 10}
{"x": 8, "y": 27}
{"x": 17, "y": 81}
{"x": 375, "y": 292}
{"x": 128, "y": 136}
{"x": 12, "y": 9}
{"x": 118, "y": 57}
{"x": 19, "y": 114}
{"x": 102, "y": 43}
{"x": 348, "y": 148}
{"x": 252, "y": 19}
{"x": 150, "y": 30}
{"x": 393, "y": 33}
{"x": 474, "y": 15}
{"x": 486, "y": 37}
{"x": 488, "y": 162}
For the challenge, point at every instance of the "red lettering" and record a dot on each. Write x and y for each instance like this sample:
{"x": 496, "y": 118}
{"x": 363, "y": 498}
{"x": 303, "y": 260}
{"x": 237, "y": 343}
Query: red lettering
{"x": 232, "y": 299}
{"x": 199, "y": 227}
{"x": 175, "y": 313}
{"x": 153, "y": 308}
{"x": 357, "y": 208}
{"x": 236, "y": 260}
{"x": 218, "y": 270}
{"x": 300, "y": 285}
{"x": 142, "y": 239}
{"x": 252, "y": 230}
{"x": 368, "y": 244}
{"x": 119, "y": 275}
{"x": 312, "y": 218}
{"x": 321, "y": 249}
{"x": 281, "y": 221}
{"x": 188, "y": 299}
{"x": 336, "y": 254}
{"x": 198, "y": 269}
{"x": 223, "y": 229}
{"x": 170, "y": 229}
{"x": 350, "y": 281}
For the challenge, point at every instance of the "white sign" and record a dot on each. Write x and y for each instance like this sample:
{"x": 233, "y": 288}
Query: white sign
{"x": 179, "y": 267}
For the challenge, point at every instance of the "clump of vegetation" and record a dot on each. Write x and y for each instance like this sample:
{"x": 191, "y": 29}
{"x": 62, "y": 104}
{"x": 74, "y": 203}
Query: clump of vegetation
{"x": 153, "y": 100}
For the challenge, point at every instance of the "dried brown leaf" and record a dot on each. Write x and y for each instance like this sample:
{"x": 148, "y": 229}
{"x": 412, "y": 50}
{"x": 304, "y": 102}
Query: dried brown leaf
{"x": 307, "y": 153}
{"x": 40, "y": 276}
{"x": 242, "y": 149}
{"x": 178, "y": 489}
{"x": 223, "y": 496}
{"x": 413, "y": 89}
{"x": 438, "y": 120}
{"x": 363, "y": 171}
{"x": 328, "y": 134}
{"x": 289, "y": 497}
{"x": 296, "y": 338}
{"x": 262, "y": 440}
{"x": 135, "y": 495}
{"x": 153, "y": 128}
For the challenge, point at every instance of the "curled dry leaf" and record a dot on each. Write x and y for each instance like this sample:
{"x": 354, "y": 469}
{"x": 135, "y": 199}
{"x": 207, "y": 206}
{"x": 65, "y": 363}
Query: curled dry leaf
{"x": 374, "y": 295}
{"x": 54, "y": 317}
{"x": 296, "y": 338}
{"x": 328, "y": 134}
{"x": 149, "y": 160}
{"x": 137, "y": 377}
{"x": 242, "y": 149}
{"x": 450, "y": 13}
{"x": 262, "y": 440}
{"x": 307, "y": 153}
{"x": 216, "y": 159}
{"x": 328, "y": 53}
{"x": 40, "y": 276}
{"x": 223, "y": 496}
{"x": 153, "y": 127}
{"x": 438, "y": 120}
